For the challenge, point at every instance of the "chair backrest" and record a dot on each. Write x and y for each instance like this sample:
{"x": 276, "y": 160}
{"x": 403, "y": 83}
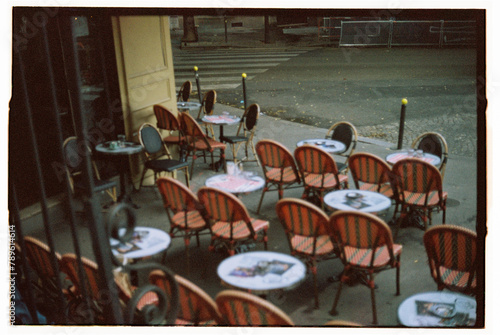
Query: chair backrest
{"x": 40, "y": 259}
{"x": 452, "y": 252}
{"x": 165, "y": 119}
{"x": 311, "y": 159}
{"x": 346, "y": 133}
{"x": 368, "y": 168}
{"x": 354, "y": 229}
{"x": 251, "y": 116}
{"x": 274, "y": 155}
{"x": 209, "y": 100}
{"x": 299, "y": 217}
{"x": 176, "y": 196}
{"x": 433, "y": 143}
{"x": 190, "y": 127}
{"x": 240, "y": 308}
{"x": 192, "y": 130}
{"x": 151, "y": 141}
{"x": 69, "y": 265}
{"x": 196, "y": 306}
{"x": 72, "y": 155}
{"x": 223, "y": 206}
{"x": 417, "y": 176}
{"x": 185, "y": 91}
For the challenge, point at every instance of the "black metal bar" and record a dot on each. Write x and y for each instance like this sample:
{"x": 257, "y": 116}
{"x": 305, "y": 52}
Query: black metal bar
{"x": 402, "y": 123}
{"x": 243, "y": 78}
{"x": 71, "y": 205}
{"x": 41, "y": 183}
{"x": 16, "y": 221}
{"x": 197, "y": 77}
{"x": 96, "y": 225}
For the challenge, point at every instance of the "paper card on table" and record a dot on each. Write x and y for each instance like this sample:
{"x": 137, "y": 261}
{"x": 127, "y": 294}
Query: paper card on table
{"x": 262, "y": 267}
{"x": 445, "y": 312}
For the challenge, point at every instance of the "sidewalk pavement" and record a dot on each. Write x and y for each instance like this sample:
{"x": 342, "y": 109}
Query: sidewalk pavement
{"x": 459, "y": 182}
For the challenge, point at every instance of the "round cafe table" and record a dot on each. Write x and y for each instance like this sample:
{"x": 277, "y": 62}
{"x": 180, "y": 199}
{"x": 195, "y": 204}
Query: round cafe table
{"x": 145, "y": 242}
{"x": 262, "y": 271}
{"x": 121, "y": 154}
{"x": 221, "y": 121}
{"x": 357, "y": 200}
{"x": 397, "y": 156}
{"x": 330, "y": 146}
{"x": 438, "y": 309}
{"x": 235, "y": 184}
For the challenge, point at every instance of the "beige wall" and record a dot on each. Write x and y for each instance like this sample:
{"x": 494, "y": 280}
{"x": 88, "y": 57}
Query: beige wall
{"x": 145, "y": 72}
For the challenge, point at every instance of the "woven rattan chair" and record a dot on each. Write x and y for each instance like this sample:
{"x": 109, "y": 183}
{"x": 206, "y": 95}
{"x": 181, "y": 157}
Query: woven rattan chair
{"x": 319, "y": 172}
{"x": 279, "y": 168}
{"x": 418, "y": 187}
{"x": 245, "y": 134}
{"x": 183, "y": 212}
{"x": 452, "y": 253}
{"x": 305, "y": 227}
{"x": 366, "y": 246}
{"x": 207, "y": 108}
{"x": 97, "y": 314}
{"x": 245, "y": 309}
{"x": 73, "y": 164}
{"x": 185, "y": 91}
{"x": 166, "y": 120}
{"x": 196, "y": 308}
{"x": 433, "y": 143}
{"x": 45, "y": 278}
{"x": 155, "y": 150}
{"x": 370, "y": 173}
{"x": 346, "y": 133}
{"x": 230, "y": 223}
{"x": 197, "y": 141}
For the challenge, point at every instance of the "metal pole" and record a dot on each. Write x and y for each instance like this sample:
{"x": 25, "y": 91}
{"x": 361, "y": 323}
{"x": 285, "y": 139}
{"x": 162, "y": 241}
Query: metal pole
{"x": 402, "y": 122}
{"x": 243, "y": 77}
{"x": 197, "y": 77}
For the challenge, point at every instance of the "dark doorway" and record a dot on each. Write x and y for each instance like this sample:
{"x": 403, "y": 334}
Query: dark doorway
{"x": 100, "y": 92}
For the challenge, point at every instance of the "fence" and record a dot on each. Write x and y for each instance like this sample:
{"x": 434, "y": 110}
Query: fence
{"x": 46, "y": 289}
{"x": 407, "y": 33}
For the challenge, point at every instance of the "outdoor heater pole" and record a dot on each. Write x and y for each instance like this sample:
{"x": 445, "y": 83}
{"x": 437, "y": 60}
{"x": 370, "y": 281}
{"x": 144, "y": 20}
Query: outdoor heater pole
{"x": 402, "y": 122}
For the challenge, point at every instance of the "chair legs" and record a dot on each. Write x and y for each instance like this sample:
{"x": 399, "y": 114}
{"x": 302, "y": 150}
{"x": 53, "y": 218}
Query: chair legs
{"x": 370, "y": 284}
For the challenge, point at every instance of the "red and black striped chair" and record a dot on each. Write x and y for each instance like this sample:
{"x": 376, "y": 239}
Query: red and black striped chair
{"x": 452, "y": 253}
{"x": 229, "y": 221}
{"x": 418, "y": 186}
{"x": 240, "y": 308}
{"x": 97, "y": 314}
{"x": 197, "y": 141}
{"x": 196, "y": 307}
{"x": 305, "y": 227}
{"x": 365, "y": 246}
{"x": 370, "y": 173}
{"x": 45, "y": 280}
{"x": 319, "y": 172}
{"x": 166, "y": 120}
{"x": 184, "y": 211}
{"x": 278, "y": 165}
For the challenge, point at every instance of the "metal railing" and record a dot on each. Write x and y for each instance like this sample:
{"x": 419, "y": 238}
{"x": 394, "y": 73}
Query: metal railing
{"x": 22, "y": 275}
